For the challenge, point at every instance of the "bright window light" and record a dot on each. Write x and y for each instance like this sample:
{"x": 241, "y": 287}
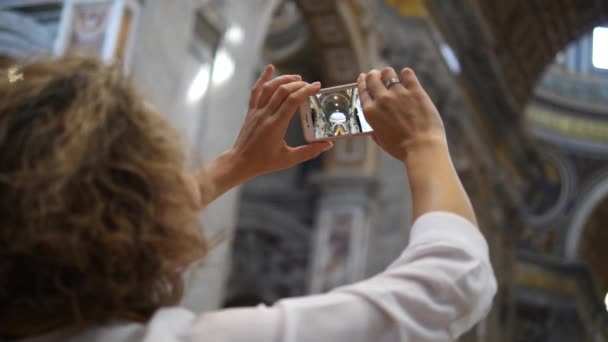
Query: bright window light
{"x": 600, "y": 47}
{"x": 200, "y": 84}
{"x": 450, "y": 58}
{"x": 235, "y": 35}
{"x": 223, "y": 67}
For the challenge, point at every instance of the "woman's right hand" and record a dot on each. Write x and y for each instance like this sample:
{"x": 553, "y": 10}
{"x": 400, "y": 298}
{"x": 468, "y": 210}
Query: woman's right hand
{"x": 403, "y": 116}
{"x": 407, "y": 125}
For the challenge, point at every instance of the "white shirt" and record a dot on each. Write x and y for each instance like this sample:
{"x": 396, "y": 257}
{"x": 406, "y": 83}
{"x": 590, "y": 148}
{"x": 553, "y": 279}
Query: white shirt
{"x": 440, "y": 287}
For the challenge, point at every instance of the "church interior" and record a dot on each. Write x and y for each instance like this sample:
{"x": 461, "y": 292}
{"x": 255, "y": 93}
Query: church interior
{"x": 522, "y": 88}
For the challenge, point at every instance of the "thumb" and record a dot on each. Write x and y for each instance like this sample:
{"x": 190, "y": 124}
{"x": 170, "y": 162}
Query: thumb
{"x": 303, "y": 153}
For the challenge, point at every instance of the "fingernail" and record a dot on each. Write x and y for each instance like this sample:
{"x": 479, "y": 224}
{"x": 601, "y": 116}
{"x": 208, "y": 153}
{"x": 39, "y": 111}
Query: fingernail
{"x": 298, "y": 77}
{"x": 328, "y": 147}
{"x": 316, "y": 84}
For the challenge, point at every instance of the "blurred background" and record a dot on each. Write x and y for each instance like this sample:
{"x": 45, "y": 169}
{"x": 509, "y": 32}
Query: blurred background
{"x": 522, "y": 86}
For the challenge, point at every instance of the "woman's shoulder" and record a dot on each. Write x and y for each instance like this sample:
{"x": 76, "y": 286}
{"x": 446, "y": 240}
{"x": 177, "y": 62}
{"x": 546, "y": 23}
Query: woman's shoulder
{"x": 175, "y": 323}
{"x": 165, "y": 323}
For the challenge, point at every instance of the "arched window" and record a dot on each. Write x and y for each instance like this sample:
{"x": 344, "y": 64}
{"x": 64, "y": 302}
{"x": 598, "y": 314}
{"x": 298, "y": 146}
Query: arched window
{"x": 600, "y": 47}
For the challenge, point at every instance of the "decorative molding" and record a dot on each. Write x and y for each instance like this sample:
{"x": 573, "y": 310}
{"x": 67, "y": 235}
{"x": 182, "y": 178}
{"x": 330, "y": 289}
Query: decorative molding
{"x": 580, "y": 147}
{"x": 596, "y": 191}
{"x": 570, "y": 124}
{"x": 569, "y": 279}
{"x": 568, "y": 186}
{"x": 580, "y": 92}
{"x": 343, "y": 43}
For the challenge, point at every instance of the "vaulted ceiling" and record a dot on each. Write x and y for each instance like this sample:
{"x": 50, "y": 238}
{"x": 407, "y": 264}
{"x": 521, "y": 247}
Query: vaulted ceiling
{"x": 504, "y": 46}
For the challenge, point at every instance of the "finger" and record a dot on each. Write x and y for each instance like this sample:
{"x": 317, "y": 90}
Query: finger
{"x": 291, "y": 102}
{"x": 297, "y": 155}
{"x": 409, "y": 79}
{"x": 364, "y": 96}
{"x": 388, "y": 74}
{"x": 375, "y": 86}
{"x": 367, "y": 102}
{"x": 281, "y": 94}
{"x": 269, "y": 88}
{"x": 257, "y": 87}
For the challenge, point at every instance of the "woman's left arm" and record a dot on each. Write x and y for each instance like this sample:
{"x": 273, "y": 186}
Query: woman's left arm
{"x": 260, "y": 147}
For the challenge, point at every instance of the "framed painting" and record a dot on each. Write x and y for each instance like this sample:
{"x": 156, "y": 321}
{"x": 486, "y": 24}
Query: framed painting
{"x": 103, "y": 28}
{"x": 340, "y": 248}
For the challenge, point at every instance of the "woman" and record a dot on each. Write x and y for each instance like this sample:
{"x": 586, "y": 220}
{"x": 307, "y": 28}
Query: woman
{"x": 98, "y": 218}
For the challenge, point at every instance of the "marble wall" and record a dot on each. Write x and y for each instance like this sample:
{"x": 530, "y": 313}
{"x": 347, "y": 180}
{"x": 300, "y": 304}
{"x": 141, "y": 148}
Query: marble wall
{"x": 164, "y": 67}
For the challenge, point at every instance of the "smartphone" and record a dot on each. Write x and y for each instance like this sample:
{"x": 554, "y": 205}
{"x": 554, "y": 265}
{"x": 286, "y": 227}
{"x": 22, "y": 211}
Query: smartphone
{"x": 334, "y": 113}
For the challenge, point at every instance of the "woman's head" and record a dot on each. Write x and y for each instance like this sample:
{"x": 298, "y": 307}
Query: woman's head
{"x": 96, "y": 220}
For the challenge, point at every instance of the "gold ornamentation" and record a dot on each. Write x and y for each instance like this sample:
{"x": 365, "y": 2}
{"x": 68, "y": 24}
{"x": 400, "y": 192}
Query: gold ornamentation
{"x": 14, "y": 75}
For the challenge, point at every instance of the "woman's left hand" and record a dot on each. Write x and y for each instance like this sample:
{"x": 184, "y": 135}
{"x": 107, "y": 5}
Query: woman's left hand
{"x": 260, "y": 147}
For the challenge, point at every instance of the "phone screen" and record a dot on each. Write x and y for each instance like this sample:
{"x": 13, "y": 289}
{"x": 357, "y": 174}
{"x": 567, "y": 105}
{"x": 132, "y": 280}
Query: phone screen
{"x": 336, "y": 113}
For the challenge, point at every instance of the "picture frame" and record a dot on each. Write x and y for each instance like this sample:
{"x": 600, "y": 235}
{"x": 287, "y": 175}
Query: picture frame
{"x": 104, "y": 28}
{"x": 339, "y": 252}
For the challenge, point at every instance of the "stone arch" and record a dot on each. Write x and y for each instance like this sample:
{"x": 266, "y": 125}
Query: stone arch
{"x": 504, "y": 47}
{"x": 567, "y": 180}
{"x": 596, "y": 192}
{"x": 528, "y": 35}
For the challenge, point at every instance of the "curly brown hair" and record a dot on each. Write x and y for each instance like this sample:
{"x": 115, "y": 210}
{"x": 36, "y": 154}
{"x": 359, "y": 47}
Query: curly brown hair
{"x": 96, "y": 221}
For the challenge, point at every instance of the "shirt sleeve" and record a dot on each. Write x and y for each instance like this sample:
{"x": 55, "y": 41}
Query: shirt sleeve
{"x": 439, "y": 287}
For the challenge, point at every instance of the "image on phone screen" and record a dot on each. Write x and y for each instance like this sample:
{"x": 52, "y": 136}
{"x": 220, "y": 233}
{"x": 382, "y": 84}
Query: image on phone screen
{"x": 337, "y": 113}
